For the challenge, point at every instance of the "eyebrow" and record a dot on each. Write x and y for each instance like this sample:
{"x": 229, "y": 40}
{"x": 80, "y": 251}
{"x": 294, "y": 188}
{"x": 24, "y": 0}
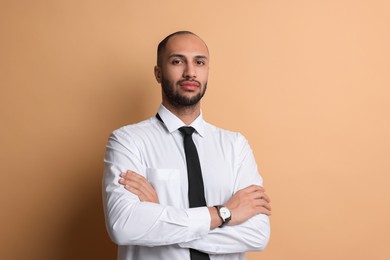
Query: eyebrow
{"x": 178, "y": 55}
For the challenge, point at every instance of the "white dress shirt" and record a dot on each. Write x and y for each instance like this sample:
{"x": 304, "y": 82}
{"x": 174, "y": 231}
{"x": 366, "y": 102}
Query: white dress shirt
{"x": 166, "y": 230}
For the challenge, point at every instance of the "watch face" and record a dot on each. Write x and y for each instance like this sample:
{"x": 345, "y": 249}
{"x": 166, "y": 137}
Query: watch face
{"x": 225, "y": 213}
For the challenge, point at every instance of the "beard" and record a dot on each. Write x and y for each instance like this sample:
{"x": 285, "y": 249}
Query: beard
{"x": 178, "y": 100}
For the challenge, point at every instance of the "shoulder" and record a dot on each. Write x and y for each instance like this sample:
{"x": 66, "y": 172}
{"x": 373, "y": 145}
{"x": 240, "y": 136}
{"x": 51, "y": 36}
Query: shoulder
{"x": 225, "y": 135}
{"x": 143, "y": 129}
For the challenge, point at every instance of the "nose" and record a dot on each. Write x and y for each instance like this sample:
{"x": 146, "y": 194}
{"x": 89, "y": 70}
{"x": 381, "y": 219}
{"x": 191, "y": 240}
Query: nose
{"x": 189, "y": 71}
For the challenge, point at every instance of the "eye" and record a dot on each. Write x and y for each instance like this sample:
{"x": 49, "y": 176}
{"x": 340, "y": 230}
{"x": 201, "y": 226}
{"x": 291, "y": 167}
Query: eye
{"x": 177, "y": 61}
{"x": 200, "y": 62}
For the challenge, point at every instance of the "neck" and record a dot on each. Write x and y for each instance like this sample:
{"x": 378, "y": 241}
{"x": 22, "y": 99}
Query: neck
{"x": 187, "y": 114}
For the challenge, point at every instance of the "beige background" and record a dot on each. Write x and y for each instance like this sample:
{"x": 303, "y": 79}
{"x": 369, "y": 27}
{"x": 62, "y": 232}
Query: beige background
{"x": 307, "y": 82}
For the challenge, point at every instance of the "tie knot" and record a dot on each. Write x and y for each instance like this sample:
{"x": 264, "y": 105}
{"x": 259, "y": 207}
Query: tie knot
{"x": 187, "y": 130}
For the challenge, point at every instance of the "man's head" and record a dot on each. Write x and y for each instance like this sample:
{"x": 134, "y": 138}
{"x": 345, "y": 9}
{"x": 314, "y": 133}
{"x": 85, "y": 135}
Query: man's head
{"x": 182, "y": 69}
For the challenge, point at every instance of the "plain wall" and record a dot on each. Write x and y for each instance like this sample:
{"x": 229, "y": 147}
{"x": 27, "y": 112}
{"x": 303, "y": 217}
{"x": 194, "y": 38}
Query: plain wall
{"x": 307, "y": 82}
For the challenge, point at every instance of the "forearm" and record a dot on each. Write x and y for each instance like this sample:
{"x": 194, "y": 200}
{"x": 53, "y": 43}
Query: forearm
{"x": 252, "y": 235}
{"x": 150, "y": 224}
{"x": 131, "y": 222}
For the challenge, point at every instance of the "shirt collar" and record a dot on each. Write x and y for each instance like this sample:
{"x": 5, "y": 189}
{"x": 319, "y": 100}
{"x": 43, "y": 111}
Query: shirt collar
{"x": 173, "y": 123}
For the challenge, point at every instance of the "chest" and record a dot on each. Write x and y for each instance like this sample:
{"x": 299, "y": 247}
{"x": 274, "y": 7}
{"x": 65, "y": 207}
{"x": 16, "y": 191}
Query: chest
{"x": 166, "y": 169}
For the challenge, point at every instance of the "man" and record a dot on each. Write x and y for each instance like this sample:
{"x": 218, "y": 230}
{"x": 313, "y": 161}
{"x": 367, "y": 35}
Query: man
{"x": 159, "y": 203}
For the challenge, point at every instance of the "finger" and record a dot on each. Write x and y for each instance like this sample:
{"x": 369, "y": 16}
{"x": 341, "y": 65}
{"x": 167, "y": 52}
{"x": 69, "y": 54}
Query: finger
{"x": 141, "y": 195}
{"x": 264, "y": 196}
{"x": 130, "y": 182}
{"x": 262, "y": 210}
{"x": 264, "y": 204}
{"x": 254, "y": 188}
{"x": 142, "y": 185}
{"x": 124, "y": 174}
{"x": 148, "y": 192}
{"x": 258, "y": 187}
{"x": 135, "y": 175}
{"x": 130, "y": 174}
{"x": 122, "y": 181}
{"x": 137, "y": 190}
{"x": 148, "y": 195}
{"x": 259, "y": 195}
{"x": 142, "y": 181}
{"x": 144, "y": 189}
{"x": 258, "y": 192}
{"x": 147, "y": 188}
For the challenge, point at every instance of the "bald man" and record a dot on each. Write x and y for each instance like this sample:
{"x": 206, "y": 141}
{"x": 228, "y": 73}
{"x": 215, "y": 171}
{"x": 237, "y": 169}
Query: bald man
{"x": 177, "y": 187}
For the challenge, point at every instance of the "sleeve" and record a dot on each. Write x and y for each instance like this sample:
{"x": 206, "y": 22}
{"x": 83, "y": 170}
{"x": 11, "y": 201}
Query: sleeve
{"x": 252, "y": 235}
{"x": 131, "y": 222}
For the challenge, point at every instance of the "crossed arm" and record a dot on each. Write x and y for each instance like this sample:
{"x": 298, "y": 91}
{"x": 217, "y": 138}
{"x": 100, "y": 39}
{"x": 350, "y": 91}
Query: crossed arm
{"x": 134, "y": 215}
{"x": 243, "y": 205}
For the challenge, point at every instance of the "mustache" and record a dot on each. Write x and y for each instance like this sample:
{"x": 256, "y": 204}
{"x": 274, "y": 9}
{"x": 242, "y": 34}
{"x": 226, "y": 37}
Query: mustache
{"x": 189, "y": 80}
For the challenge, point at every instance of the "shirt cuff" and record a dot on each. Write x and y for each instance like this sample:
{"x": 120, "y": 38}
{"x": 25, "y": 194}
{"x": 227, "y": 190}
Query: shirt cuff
{"x": 199, "y": 221}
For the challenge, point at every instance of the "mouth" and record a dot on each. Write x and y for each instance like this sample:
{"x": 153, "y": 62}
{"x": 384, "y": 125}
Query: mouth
{"x": 189, "y": 85}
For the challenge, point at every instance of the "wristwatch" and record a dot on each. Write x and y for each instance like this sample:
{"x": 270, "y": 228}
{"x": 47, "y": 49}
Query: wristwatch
{"x": 224, "y": 213}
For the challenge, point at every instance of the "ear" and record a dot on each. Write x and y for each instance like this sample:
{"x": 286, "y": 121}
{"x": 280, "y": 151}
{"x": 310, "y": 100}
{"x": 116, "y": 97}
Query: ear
{"x": 157, "y": 73}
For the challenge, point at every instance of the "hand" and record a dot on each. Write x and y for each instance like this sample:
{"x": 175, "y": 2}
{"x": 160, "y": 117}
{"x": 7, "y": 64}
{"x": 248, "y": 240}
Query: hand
{"x": 138, "y": 185}
{"x": 247, "y": 203}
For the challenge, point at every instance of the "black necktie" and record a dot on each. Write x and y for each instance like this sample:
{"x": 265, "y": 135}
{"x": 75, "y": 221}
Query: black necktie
{"x": 195, "y": 180}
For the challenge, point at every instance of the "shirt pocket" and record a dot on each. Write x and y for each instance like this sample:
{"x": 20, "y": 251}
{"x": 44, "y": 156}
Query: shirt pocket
{"x": 166, "y": 183}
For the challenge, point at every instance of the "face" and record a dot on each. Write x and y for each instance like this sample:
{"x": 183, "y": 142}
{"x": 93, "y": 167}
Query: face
{"x": 183, "y": 72}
